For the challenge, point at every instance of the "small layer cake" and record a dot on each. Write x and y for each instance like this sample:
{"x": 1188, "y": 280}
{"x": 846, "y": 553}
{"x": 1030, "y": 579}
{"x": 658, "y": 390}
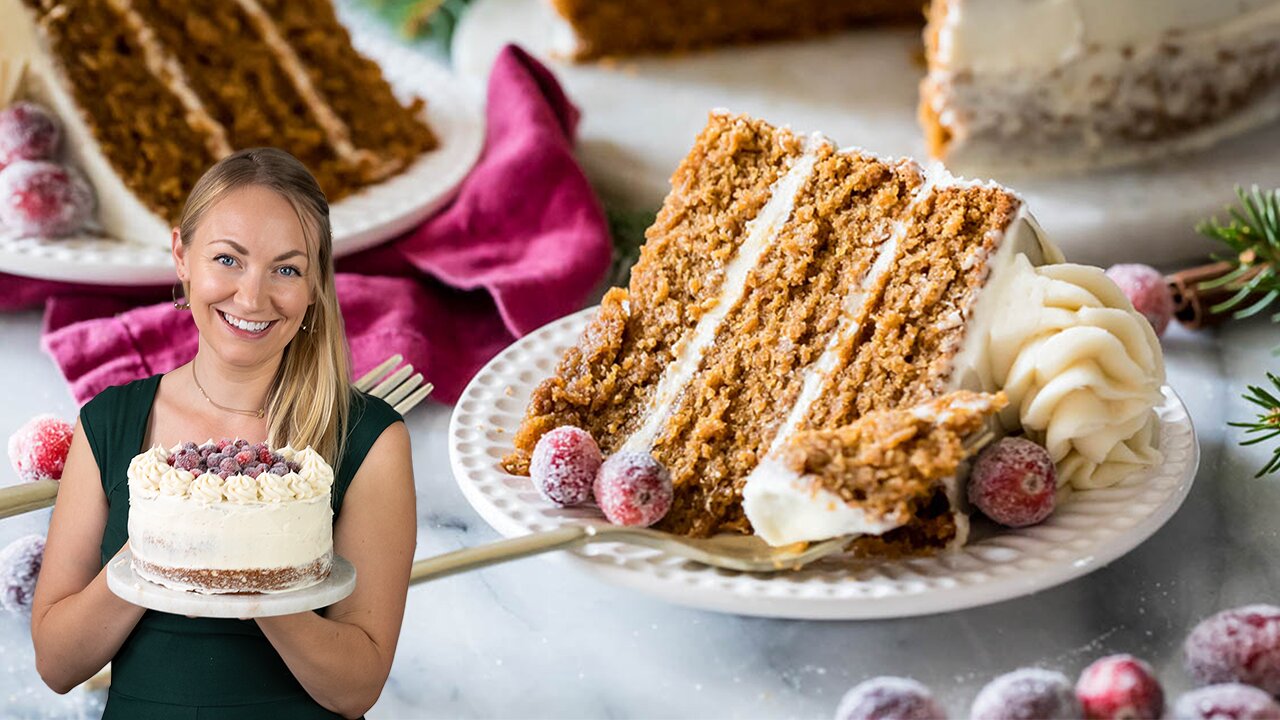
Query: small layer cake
{"x": 231, "y": 517}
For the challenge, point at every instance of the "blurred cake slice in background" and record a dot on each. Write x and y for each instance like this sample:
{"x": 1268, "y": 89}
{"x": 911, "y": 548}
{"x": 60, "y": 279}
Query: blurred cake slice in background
{"x": 151, "y": 93}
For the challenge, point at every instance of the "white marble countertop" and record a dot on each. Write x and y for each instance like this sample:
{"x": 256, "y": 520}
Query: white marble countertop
{"x": 537, "y": 638}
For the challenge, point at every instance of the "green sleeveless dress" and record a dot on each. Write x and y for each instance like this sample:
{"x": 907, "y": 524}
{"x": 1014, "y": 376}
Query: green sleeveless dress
{"x": 172, "y": 666}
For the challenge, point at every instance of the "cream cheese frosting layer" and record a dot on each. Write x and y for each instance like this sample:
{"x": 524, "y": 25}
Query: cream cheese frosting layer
{"x": 173, "y": 531}
{"x": 1037, "y": 35}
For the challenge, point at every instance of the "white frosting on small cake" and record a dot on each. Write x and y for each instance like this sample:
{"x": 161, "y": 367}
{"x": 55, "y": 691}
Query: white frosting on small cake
{"x": 272, "y": 523}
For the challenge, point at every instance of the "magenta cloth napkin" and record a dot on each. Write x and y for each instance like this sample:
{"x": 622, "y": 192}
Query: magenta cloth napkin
{"x": 524, "y": 242}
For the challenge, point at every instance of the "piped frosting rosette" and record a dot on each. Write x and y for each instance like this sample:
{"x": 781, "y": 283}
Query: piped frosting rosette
{"x": 1082, "y": 371}
{"x": 309, "y": 476}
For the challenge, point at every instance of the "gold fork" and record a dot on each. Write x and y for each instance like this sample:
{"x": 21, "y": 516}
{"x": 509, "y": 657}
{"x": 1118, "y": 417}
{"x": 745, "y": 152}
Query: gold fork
{"x": 746, "y": 553}
{"x": 402, "y": 388}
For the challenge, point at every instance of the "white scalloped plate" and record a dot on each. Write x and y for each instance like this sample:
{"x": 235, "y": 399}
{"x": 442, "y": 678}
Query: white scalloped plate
{"x": 1088, "y": 530}
{"x": 360, "y": 221}
{"x": 125, "y": 582}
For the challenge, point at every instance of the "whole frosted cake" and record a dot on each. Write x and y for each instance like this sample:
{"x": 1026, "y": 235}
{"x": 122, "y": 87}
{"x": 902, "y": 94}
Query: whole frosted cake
{"x": 231, "y": 517}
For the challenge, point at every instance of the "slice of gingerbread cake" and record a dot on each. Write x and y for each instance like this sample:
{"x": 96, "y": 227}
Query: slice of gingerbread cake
{"x": 790, "y": 286}
{"x": 150, "y": 93}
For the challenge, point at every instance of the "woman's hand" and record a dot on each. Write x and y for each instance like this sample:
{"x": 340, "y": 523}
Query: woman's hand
{"x": 77, "y": 623}
{"x": 343, "y": 658}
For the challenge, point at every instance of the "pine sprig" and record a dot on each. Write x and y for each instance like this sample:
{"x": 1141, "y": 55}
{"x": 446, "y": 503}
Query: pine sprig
{"x": 1267, "y": 426}
{"x": 1253, "y": 235}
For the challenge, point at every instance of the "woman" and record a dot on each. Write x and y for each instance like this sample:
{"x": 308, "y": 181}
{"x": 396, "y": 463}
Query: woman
{"x": 253, "y": 248}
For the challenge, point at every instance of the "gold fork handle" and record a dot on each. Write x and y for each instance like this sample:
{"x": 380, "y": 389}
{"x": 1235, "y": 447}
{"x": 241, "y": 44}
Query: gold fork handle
{"x": 458, "y": 561}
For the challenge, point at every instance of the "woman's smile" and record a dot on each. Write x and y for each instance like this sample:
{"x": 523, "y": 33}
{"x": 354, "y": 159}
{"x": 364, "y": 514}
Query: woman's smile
{"x": 240, "y": 327}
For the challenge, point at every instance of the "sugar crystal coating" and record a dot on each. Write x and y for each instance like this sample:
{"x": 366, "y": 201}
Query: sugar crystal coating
{"x": 1228, "y": 701}
{"x": 1014, "y": 482}
{"x": 1237, "y": 645}
{"x": 1027, "y": 694}
{"x": 633, "y": 489}
{"x": 1147, "y": 290}
{"x": 564, "y": 465}
{"x": 38, "y": 449}
{"x": 20, "y": 563}
{"x": 43, "y": 199}
{"x": 889, "y": 698}
{"x": 27, "y": 132}
{"x": 1120, "y": 686}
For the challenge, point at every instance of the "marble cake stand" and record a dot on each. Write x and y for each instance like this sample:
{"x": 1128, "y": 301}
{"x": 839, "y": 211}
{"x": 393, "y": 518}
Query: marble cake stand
{"x": 126, "y": 583}
{"x": 640, "y": 116}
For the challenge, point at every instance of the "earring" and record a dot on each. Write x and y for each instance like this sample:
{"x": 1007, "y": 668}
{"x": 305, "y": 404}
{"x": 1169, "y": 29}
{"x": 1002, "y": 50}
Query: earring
{"x": 183, "y": 305}
{"x": 306, "y": 327}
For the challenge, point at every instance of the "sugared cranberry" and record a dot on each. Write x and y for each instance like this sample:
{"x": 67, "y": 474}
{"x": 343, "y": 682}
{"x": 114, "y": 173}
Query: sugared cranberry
{"x": 1147, "y": 290}
{"x": 38, "y": 449}
{"x": 279, "y": 469}
{"x": 187, "y": 460}
{"x": 1014, "y": 482}
{"x": 889, "y": 698}
{"x": 20, "y": 563}
{"x": 27, "y": 132}
{"x": 1120, "y": 686}
{"x": 265, "y": 456}
{"x": 244, "y": 457}
{"x": 1237, "y": 645}
{"x": 633, "y": 489}
{"x": 564, "y": 465}
{"x": 1027, "y": 694}
{"x": 254, "y": 471}
{"x": 1229, "y": 701}
{"x": 43, "y": 199}
{"x": 229, "y": 466}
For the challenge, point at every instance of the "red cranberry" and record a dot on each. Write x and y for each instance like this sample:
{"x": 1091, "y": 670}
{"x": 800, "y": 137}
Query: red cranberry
{"x": 1147, "y": 290}
{"x": 1027, "y": 694}
{"x": 38, "y": 450}
{"x": 1237, "y": 645}
{"x": 564, "y": 465}
{"x": 43, "y": 199}
{"x": 1014, "y": 482}
{"x": 889, "y": 698}
{"x": 1120, "y": 686}
{"x": 1229, "y": 701}
{"x": 27, "y": 132}
{"x": 633, "y": 489}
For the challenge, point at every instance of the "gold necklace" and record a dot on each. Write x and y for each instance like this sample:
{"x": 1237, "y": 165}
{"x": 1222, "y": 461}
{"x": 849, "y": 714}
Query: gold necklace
{"x": 251, "y": 413}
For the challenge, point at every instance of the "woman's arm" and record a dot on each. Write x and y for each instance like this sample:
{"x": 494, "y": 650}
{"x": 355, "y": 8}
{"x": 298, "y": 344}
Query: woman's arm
{"x": 343, "y": 659}
{"x": 77, "y": 623}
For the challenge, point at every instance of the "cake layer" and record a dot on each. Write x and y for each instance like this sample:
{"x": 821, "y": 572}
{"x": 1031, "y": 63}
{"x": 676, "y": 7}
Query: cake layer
{"x": 605, "y": 384}
{"x": 615, "y": 27}
{"x": 777, "y": 323}
{"x": 255, "y": 580}
{"x": 1053, "y": 84}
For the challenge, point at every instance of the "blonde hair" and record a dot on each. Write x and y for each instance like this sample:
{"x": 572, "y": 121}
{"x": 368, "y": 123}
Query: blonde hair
{"x": 309, "y": 402}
